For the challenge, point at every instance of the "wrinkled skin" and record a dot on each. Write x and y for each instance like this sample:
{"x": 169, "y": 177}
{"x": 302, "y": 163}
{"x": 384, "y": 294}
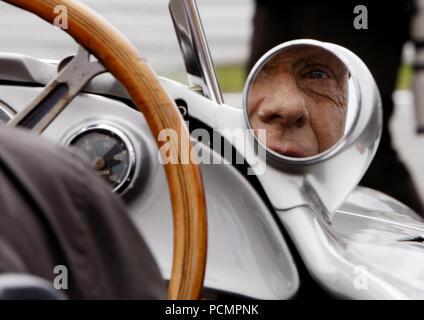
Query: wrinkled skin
{"x": 300, "y": 97}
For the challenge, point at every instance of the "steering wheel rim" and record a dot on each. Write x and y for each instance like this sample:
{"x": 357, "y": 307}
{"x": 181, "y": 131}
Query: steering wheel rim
{"x": 126, "y": 64}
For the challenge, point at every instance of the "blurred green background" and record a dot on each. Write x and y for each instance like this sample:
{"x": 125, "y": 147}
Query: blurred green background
{"x": 231, "y": 77}
{"x": 405, "y": 75}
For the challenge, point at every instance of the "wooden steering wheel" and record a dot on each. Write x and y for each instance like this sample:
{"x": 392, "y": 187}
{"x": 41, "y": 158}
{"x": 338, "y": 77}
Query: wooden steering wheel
{"x": 126, "y": 64}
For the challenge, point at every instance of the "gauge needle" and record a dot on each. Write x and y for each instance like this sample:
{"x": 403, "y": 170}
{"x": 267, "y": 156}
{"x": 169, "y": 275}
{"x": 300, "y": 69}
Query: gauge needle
{"x": 109, "y": 154}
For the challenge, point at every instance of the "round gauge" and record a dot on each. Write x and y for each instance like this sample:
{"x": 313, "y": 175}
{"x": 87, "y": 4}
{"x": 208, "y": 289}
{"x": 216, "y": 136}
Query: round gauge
{"x": 109, "y": 152}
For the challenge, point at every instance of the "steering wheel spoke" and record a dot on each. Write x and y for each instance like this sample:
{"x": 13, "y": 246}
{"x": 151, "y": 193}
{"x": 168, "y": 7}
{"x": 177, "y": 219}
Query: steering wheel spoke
{"x": 58, "y": 93}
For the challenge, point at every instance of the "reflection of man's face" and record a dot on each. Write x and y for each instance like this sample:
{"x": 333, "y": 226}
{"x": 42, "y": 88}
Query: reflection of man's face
{"x": 300, "y": 97}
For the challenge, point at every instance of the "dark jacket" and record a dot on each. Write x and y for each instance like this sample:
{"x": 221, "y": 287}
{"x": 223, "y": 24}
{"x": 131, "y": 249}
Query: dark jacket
{"x": 56, "y": 211}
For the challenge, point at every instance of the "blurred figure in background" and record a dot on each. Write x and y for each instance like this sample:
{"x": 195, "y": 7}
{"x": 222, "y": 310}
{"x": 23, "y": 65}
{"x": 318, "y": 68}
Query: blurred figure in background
{"x": 379, "y": 46}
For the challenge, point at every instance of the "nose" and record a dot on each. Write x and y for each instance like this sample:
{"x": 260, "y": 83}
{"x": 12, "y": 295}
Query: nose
{"x": 285, "y": 105}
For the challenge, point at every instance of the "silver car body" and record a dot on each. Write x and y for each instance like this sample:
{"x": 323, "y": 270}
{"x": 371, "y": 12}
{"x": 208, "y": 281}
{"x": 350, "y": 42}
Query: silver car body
{"x": 370, "y": 247}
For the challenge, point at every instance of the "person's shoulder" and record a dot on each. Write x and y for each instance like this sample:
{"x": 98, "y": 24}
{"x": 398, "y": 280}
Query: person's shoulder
{"x": 36, "y": 159}
{"x": 23, "y": 145}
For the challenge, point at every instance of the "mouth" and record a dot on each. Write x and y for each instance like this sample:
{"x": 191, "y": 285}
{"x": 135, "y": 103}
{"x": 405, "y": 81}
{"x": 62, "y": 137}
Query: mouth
{"x": 288, "y": 150}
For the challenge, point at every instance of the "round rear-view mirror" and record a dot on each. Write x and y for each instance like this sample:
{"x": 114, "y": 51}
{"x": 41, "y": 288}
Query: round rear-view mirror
{"x": 301, "y": 101}
{"x": 314, "y": 111}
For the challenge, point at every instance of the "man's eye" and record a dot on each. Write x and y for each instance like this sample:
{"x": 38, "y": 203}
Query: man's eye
{"x": 315, "y": 74}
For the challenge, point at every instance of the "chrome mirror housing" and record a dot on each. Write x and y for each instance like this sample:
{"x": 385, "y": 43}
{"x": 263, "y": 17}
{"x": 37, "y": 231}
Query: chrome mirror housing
{"x": 322, "y": 180}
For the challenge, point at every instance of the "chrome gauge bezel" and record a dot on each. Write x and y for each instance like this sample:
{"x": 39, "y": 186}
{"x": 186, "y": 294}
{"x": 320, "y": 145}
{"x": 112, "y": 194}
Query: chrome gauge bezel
{"x": 113, "y": 130}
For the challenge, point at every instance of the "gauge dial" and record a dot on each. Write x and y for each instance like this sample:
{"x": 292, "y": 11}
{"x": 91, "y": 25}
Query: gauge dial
{"x": 109, "y": 152}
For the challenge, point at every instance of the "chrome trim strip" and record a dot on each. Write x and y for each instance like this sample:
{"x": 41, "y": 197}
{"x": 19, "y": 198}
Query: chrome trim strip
{"x": 194, "y": 48}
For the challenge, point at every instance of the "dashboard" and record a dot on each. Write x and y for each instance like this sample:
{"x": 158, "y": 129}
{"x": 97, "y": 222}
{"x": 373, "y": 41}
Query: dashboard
{"x": 116, "y": 141}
